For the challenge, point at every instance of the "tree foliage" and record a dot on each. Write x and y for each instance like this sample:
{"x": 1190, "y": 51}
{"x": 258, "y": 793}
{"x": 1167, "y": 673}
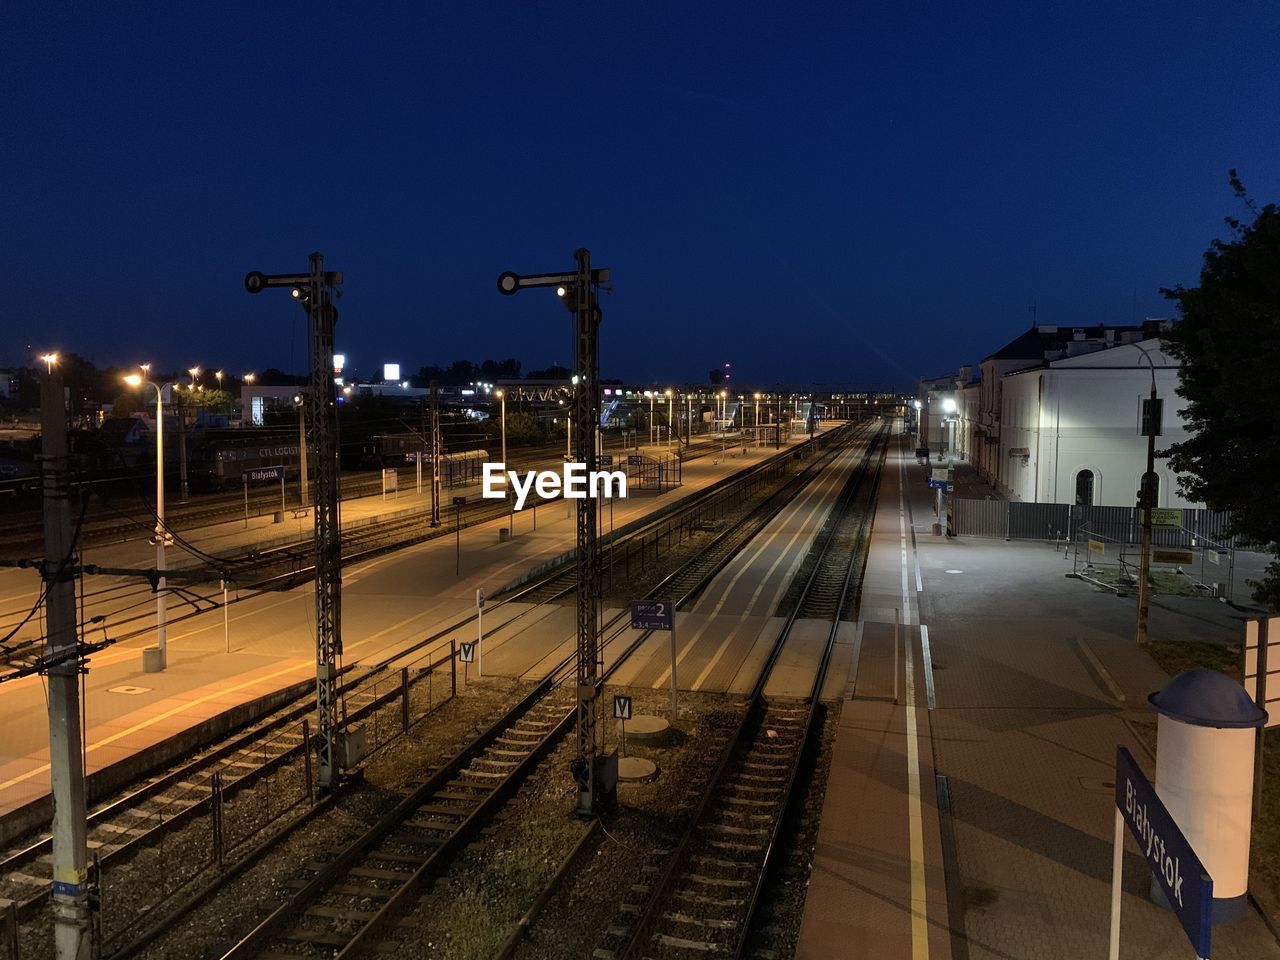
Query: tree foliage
{"x": 1228, "y": 339}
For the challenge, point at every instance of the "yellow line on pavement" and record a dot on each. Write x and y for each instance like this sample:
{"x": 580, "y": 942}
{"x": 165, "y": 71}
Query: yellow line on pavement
{"x": 106, "y": 741}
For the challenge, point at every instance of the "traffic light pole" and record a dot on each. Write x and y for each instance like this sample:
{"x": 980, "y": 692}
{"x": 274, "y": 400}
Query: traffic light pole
{"x": 66, "y": 750}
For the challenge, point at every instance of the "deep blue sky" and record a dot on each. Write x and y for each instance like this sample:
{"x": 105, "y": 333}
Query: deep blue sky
{"x": 848, "y": 192}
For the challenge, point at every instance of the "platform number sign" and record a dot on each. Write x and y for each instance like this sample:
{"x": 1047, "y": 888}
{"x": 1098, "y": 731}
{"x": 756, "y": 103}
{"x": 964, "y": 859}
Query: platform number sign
{"x": 621, "y": 707}
{"x": 467, "y": 652}
{"x": 652, "y": 615}
{"x": 635, "y": 460}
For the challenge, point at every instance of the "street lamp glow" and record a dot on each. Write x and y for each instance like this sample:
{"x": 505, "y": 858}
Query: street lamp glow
{"x": 249, "y": 377}
{"x": 916, "y": 404}
{"x": 49, "y": 360}
{"x": 133, "y": 380}
{"x": 948, "y": 405}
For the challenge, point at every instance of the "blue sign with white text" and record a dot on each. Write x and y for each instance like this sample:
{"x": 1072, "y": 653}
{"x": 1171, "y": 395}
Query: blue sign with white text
{"x": 1183, "y": 878}
{"x": 263, "y": 474}
{"x": 653, "y": 615}
{"x": 635, "y": 460}
{"x": 606, "y": 459}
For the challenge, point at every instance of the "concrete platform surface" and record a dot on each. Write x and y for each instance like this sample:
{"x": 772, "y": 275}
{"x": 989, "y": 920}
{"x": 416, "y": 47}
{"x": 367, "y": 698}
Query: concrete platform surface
{"x": 1023, "y": 682}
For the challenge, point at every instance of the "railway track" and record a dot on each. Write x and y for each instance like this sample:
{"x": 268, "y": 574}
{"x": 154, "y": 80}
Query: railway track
{"x": 109, "y": 523}
{"x": 168, "y": 801}
{"x": 346, "y": 906}
{"x": 705, "y": 898}
{"x": 129, "y": 606}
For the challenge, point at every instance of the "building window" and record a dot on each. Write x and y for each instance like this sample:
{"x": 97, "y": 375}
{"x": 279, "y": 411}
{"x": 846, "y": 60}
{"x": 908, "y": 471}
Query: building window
{"x": 1084, "y": 488}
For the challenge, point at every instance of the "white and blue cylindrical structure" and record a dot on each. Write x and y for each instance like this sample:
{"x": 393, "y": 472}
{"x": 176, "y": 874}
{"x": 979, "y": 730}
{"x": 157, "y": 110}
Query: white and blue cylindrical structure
{"x": 1204, "y": 775}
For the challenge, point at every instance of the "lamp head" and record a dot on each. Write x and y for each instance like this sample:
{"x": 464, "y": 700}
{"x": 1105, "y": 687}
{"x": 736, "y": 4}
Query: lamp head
{"x": 133, "y": 380}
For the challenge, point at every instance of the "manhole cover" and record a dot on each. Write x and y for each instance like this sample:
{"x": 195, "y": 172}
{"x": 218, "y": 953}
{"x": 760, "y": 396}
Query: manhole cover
{"x": 126, "y": 689}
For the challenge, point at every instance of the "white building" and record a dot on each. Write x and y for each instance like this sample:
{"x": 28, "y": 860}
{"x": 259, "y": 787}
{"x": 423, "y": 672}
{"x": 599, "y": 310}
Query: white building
{"x": 1068, "y": 427}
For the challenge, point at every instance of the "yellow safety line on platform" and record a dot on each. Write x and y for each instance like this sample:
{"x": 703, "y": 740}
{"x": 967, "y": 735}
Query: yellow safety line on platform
{"x": 915, "y": 818}
{"x": 106, "y": 741}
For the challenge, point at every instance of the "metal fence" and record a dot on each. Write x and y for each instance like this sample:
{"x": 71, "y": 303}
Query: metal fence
{"x": 1013, "y": 520}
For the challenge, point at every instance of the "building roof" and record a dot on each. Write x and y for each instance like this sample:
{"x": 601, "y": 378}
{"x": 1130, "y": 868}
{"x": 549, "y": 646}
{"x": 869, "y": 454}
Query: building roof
{"x": 1034, "y": 343}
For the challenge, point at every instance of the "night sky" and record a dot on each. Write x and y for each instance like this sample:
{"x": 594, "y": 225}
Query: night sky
{"x": 848, "y": 193}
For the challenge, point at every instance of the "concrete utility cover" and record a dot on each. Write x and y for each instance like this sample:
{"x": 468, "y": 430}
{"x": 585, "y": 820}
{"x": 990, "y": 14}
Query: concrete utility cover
{"x": 636, "y": 770}
{"x": 646, "y": 728}
{"x": 128, "y": 689}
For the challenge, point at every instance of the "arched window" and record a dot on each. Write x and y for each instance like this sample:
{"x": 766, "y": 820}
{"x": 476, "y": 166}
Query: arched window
{"x": 1084, "y": 488}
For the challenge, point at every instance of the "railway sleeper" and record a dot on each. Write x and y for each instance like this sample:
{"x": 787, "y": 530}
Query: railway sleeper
{"x": 736, "y": 846}
{"x": 321, "y": 912}
{"x": 711, "y": 923}
{"x": 733, "y": 831}
{"x": 709, "y": 881}
{"x": 322, "y": 938}
{"x": 445, "y": 810}
{"x": 747, "y": 816}
{"x": 434, "y": 826}
{"x": 680, "y": 943}
{"x": 717, "y": 862}
{"x": 379, "y": 873}
{"x": 469, "y": 797}
{"x": 746, "y": 802}
{"x": 733, "y": 903}
{"x": 349, "y": 890}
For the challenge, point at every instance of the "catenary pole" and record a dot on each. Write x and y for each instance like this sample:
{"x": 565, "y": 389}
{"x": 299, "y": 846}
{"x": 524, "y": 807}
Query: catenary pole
{"x": 66, "y": 749}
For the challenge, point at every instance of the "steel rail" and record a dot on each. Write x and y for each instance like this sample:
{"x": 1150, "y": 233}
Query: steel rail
{"x": 637, "y": 940}
{"x": 365, "y": 846}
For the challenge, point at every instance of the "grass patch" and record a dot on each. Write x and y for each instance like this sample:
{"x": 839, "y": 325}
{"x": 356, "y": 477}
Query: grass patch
{"x": 1264, "y": 854}
{"x": 1175, "y": 656}
{"x": 1164, "y": 583}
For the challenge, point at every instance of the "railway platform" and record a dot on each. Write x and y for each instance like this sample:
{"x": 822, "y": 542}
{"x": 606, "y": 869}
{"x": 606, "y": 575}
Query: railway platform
{"x": 972, "y": 819}
{"x": 266, "y": 641}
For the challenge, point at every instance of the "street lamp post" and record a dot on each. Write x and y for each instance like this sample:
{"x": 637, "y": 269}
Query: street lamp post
{"x": 134, "y": 380}
{"x": 502, "y": 397}
{"x": 669, "y": 400}
{"x": 300, "y": 402}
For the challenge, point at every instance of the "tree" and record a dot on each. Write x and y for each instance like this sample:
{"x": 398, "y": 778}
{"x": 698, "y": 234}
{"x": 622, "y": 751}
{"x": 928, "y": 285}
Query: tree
{"x": 1228, "y": 339}
{"x": 126, "y": 405}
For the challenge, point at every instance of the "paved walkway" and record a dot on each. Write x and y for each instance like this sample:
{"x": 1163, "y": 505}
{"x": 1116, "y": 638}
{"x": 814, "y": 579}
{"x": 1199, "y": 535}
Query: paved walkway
{"x": 1025, "y": 681}
{"x": 388, "y": 603}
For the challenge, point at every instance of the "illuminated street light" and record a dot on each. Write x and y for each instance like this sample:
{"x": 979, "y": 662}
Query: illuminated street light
{"x": 134, "y": 380}
{"x": 49, "y": 360}
{"x": 249, "y": 377}
{"x": 669, "y": 400}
